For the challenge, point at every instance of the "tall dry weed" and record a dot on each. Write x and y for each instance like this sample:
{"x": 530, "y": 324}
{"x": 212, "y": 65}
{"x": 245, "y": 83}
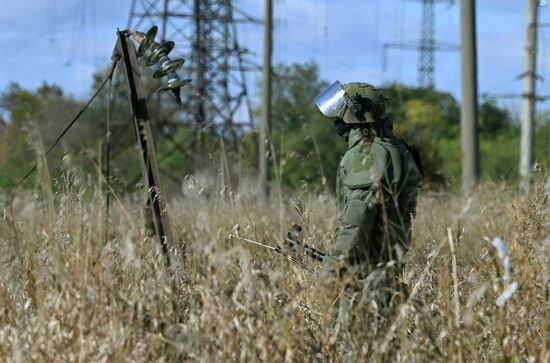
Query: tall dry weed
{"x": 68, "y": 293}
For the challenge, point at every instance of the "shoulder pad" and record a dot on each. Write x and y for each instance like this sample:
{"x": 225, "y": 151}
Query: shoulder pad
{"x": 364, "y": 170}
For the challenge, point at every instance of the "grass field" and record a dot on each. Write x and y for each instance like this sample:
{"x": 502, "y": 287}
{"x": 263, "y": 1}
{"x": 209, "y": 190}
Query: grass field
{"x": 68, "y": 293}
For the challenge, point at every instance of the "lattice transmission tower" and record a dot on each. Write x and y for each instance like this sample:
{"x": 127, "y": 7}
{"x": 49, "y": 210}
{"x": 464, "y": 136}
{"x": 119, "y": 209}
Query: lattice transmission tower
{"x": 206, "y": 33}
{"x": 427, "y": 45}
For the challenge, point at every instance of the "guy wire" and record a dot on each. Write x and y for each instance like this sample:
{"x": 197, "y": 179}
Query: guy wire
{"x": 62, "y": 134}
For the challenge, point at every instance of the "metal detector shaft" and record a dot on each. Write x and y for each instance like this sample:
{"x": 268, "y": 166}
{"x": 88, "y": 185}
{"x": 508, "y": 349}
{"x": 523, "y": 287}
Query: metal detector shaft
{"x": 280, "y": 251}
{"x": 309, "y": 251}
{"x": 294, "y": 243}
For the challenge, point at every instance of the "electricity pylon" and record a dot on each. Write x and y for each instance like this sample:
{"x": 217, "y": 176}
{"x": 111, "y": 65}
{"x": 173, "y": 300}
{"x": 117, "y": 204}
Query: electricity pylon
{"x": 218, "y": 64}
{"x": 427, "y": 45}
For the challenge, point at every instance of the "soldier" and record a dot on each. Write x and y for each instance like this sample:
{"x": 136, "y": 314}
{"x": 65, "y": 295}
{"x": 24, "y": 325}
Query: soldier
{"x": 376, "y": 190}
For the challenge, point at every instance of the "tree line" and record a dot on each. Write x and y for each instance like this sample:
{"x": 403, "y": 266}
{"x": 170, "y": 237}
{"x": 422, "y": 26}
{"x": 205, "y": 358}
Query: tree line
{"x": 305, "y": 150}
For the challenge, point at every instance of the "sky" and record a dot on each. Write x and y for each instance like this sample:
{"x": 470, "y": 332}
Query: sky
{"x": 64, "y": 42}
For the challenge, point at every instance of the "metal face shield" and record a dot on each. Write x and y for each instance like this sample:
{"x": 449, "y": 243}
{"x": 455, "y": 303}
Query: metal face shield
{"x": 332, "y": 100}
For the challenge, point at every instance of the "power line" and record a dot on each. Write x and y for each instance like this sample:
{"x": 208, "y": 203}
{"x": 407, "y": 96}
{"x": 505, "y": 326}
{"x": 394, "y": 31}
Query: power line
{"x": 67, "y": 128}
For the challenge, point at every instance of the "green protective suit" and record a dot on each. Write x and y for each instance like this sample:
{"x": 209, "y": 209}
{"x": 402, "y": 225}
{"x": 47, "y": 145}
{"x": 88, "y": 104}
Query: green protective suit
{"x": 376, "y": 189}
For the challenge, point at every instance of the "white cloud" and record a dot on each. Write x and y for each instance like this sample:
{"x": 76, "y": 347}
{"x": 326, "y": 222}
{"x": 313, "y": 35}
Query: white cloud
{"x": 345, "y": 37}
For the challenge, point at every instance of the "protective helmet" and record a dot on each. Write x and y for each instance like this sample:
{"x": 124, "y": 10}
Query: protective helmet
{"x": 354, "y": 103}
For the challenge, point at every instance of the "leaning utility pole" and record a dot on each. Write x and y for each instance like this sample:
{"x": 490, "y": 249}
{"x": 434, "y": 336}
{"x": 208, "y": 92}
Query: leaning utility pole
{"x": 529, "y": 95}
{"x": 468, "y": 113}
{"x": 126, "y": 51}
{"x": 266, "y": 99}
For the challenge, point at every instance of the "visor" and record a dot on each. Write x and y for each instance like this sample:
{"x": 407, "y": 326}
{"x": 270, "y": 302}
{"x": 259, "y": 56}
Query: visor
{"x": 332, "y": 100}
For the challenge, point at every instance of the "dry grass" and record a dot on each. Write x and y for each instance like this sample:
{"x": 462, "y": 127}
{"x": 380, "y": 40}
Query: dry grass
{"x": 67, "y": 294}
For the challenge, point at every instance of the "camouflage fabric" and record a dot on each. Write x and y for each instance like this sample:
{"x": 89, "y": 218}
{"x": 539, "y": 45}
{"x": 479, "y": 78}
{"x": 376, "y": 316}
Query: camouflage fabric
{"x": 377, "y": 186}
{"x": 371, "y": 100}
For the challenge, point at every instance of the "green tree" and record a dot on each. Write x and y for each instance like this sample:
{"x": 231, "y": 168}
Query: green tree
{"x": 429, "y": 119}
{"x": 492, "y": 119}
{"x": 542, "y": 141}
{"x": 50, "y": 111}
{"x": 307, "y": 148}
